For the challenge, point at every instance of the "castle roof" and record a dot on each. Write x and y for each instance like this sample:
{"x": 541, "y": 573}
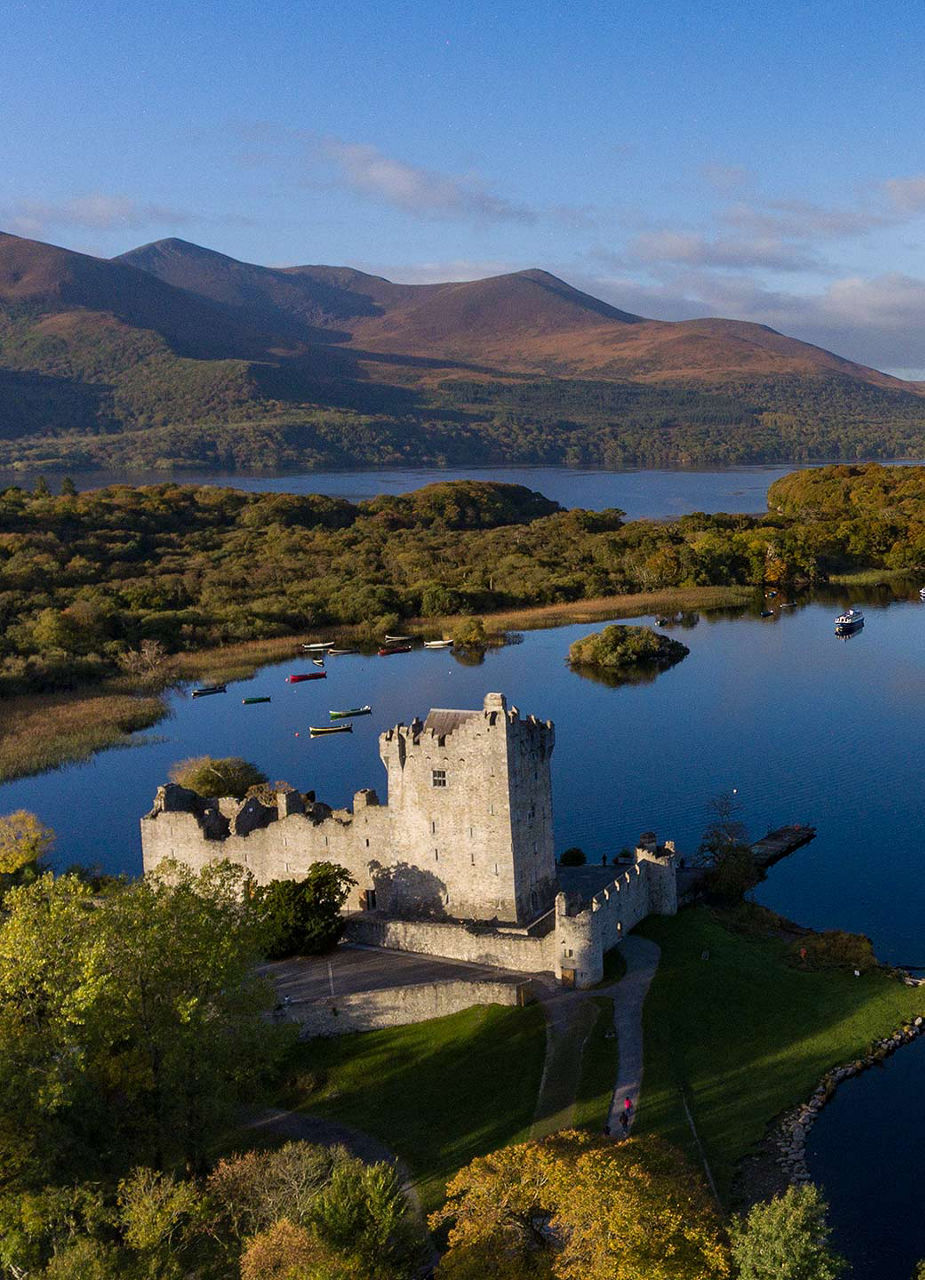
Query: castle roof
{"x": 442, "y": 720}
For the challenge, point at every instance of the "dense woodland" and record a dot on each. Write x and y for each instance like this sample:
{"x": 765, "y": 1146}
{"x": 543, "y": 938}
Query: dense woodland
{"x": 165, "y": 412}
{"x": 85, "y": 577}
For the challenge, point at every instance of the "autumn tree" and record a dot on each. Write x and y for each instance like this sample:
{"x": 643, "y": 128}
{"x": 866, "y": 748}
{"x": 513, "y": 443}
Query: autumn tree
{"x": 576, "y": 1207}
{"x": 24, "y": 841}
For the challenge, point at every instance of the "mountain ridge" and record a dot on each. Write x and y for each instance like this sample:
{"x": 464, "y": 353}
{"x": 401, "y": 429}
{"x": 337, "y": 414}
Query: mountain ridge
{"x": 523, "y": 366}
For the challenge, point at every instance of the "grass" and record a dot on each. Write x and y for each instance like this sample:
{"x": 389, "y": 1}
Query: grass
{"x": 45, "y": 731}
{"x": 868, "y": 577}
{"x": 437, "y": 1093}
{"x": 744, "y": 1035}
{"x": 598, "y": 1068}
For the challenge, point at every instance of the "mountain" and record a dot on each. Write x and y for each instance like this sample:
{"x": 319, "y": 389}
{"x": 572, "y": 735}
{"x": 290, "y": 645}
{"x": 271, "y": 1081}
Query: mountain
{"x": 173, "y": 354}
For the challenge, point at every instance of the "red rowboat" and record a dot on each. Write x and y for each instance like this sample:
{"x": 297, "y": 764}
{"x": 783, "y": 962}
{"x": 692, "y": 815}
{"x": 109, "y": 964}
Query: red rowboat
{"x": 308, "y": 675}
{"x": 395, "y": 648}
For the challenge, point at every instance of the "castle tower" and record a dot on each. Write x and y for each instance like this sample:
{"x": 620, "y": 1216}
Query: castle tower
{"x": 470, "y": 805}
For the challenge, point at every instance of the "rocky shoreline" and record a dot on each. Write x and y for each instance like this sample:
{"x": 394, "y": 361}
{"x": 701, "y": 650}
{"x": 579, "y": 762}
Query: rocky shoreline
{"x": 780, "y": 1161}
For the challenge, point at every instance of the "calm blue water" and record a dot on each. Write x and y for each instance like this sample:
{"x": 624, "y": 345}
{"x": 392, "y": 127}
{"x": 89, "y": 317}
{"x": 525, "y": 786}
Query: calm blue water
{"x": 866, "y": 1152}
{"x": 654, "y": 494}
{"x": 805, "y": 727}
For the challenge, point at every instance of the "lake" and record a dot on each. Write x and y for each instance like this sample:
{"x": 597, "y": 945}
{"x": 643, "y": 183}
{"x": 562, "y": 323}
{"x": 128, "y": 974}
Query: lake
{"x": 654, "y": 494}
{"x": 804, "y": 726}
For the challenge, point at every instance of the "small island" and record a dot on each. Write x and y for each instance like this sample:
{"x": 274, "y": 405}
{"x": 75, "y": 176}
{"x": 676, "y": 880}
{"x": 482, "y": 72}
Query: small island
{"x": 622, "y": 654}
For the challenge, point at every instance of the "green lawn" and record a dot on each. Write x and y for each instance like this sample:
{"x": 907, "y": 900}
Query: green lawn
{"x": 745, "y": 1035}
{"x": 598, "y": 1068}
{"x": 437, "y": 1093}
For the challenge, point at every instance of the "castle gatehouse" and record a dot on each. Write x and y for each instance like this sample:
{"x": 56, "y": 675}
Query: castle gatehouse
{"x": 458, "y": 862}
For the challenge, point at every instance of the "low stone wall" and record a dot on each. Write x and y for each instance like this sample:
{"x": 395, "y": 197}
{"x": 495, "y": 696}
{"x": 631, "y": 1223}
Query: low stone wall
{"x": 499, "y": 950}
{"x": 398, "y": 1006}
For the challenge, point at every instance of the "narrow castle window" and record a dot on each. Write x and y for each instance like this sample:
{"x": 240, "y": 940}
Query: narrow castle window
{"x": 433, "y": 826}
{"x": 472, "y": 859}
{"x": 367, "y": 842}
{"x": 439, "y": 777}
{"x": 496, "y": 868}
{"x": 436, "y": 856}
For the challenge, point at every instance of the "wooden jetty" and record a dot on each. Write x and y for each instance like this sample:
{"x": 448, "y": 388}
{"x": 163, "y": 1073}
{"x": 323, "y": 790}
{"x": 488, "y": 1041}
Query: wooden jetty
{"x": 778, "y": 844}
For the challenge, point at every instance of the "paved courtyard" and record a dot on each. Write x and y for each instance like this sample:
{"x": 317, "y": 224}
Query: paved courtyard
{"x": 353, "y": 969}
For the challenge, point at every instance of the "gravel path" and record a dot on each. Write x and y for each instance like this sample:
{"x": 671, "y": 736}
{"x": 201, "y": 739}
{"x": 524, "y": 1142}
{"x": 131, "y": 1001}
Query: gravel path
{"x": 642, "y": 957}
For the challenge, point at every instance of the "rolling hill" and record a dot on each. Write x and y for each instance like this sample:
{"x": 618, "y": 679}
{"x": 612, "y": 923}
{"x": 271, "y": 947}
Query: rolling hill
{"x": 173, "y": 355}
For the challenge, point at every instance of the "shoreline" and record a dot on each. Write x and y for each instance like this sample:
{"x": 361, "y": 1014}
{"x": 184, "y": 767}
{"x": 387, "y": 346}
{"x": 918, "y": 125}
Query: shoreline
{"x": 780, "y": 1161}
{"x": 57, "y": 729}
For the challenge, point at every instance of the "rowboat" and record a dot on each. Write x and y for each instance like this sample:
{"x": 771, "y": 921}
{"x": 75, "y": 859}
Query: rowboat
{"x": 307, "y": 675}
{"x": 394, "y": 648}
{"x": 317, "y": 731}
{"x": 398, "y": 639}
{"x": 354, "y": 711}
{"x": 318, "y": 646}
{"x": 339, "y": 653}
{"x": 206, "y": 689}
{"x": 249, "y": 702}
{"x": 438, "y": 644}
{"x": 318, "y": 662}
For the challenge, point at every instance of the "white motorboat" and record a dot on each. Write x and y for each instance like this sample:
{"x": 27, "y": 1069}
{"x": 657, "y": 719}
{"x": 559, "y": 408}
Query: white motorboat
{"x": 849, "y": 621}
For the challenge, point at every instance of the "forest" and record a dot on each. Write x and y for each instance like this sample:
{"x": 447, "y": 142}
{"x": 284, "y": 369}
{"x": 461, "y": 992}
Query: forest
{"x": 86, "y": 578}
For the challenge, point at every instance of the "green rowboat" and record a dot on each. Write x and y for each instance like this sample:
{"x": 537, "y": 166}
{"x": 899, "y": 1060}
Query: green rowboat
{"x": 249, "y": 702}
{"x": 353, "y": 711}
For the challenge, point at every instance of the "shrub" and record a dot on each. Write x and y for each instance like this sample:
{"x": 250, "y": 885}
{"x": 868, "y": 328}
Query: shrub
{"x": 302, "y": 917}
{"x": 230, "y": 776}
{"x": 573, "y": 857}
{"x": 834, "y": 949}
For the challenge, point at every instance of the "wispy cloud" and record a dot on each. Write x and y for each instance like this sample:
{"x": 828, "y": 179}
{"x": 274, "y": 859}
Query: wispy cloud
{"x": 93, "y": 212}
{"x": 693, "y": 249}
{"x": 417, "y": 190}
{"x": 907, "y": 194}
{"x": 727, "y": 178}
{"x": 801, "y": 219}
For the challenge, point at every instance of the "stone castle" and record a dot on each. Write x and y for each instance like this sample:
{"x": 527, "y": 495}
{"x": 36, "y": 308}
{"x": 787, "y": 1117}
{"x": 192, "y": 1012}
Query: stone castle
{"x": 459, "y": 862}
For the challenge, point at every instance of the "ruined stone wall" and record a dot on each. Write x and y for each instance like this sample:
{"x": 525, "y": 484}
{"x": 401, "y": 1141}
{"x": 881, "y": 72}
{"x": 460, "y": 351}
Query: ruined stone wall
{"x": 399, "y": 1006}
{"x": 496, "y": 948}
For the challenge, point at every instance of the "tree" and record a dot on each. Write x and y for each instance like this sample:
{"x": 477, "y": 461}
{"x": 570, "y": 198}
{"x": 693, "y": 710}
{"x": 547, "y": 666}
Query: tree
{"x": 577, "y": 1207}
{"x": 24, "y": 841}
{"x": 146, "y": 661}
{"x": 250, "y": 1192}
{"x": 728, "y": 855}
{"x": 363, "y": 1215}
{"x": 786, "y": 1239}
{"x": 285, "y": 1251}
{"x": 469, "y": 633}
{"x": 130, "y": 1026}
{"x": 573, "y": 857}
{"x": 302, "y": 917}
{"x": 229, "y": 776}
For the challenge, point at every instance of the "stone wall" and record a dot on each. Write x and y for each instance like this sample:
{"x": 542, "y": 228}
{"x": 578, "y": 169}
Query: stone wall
{"x": 501, "y": 949}
{"x": 398, "y": 1006}
{"x": 466, "y": 832}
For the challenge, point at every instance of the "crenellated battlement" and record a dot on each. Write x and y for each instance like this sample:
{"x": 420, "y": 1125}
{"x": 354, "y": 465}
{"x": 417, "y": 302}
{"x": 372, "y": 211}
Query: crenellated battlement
{"x": 465, "y": 835}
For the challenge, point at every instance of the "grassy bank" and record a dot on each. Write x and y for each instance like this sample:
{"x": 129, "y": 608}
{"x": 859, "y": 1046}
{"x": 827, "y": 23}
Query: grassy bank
{"x": 598, "y": 1069}
{"x": 48, "y": 730}
{"x": 437, "y": 1093}
{"x": 742, "y": 1034}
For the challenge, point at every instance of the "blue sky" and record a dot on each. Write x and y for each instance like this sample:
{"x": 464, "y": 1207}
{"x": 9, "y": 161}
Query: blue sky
{"x": 761, "y": 162}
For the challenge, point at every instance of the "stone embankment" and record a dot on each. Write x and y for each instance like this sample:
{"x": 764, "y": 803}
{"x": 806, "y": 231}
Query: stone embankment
{"x": 787, "y": 1139}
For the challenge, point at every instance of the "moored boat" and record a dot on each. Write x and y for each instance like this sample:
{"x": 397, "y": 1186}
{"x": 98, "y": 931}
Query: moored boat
{"x": 249, "y": 702}
{"x": 306, "y": 675}
{"x": 922, "y": 593}
{"x": 205, "y": 690}
{"x": 318, "y": 731}
{"x": 339, "y": 653}
{"x": 318, "y": 662}
{"x": 318, "y": 646}
{"x": 438, "y": 644}
{"x": 387, "y": 650}
{"x": 398, "y": 639}
{"x": 353, "y": 711}
{"x": 848, "y": 622}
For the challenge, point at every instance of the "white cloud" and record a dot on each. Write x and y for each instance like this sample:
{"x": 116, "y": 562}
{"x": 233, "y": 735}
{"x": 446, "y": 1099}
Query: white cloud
{"x": 907, "y": 194}
{"x": 698, "y": 250}
{"x": 94, "y": 212}
{"x": 418, "y": 190}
